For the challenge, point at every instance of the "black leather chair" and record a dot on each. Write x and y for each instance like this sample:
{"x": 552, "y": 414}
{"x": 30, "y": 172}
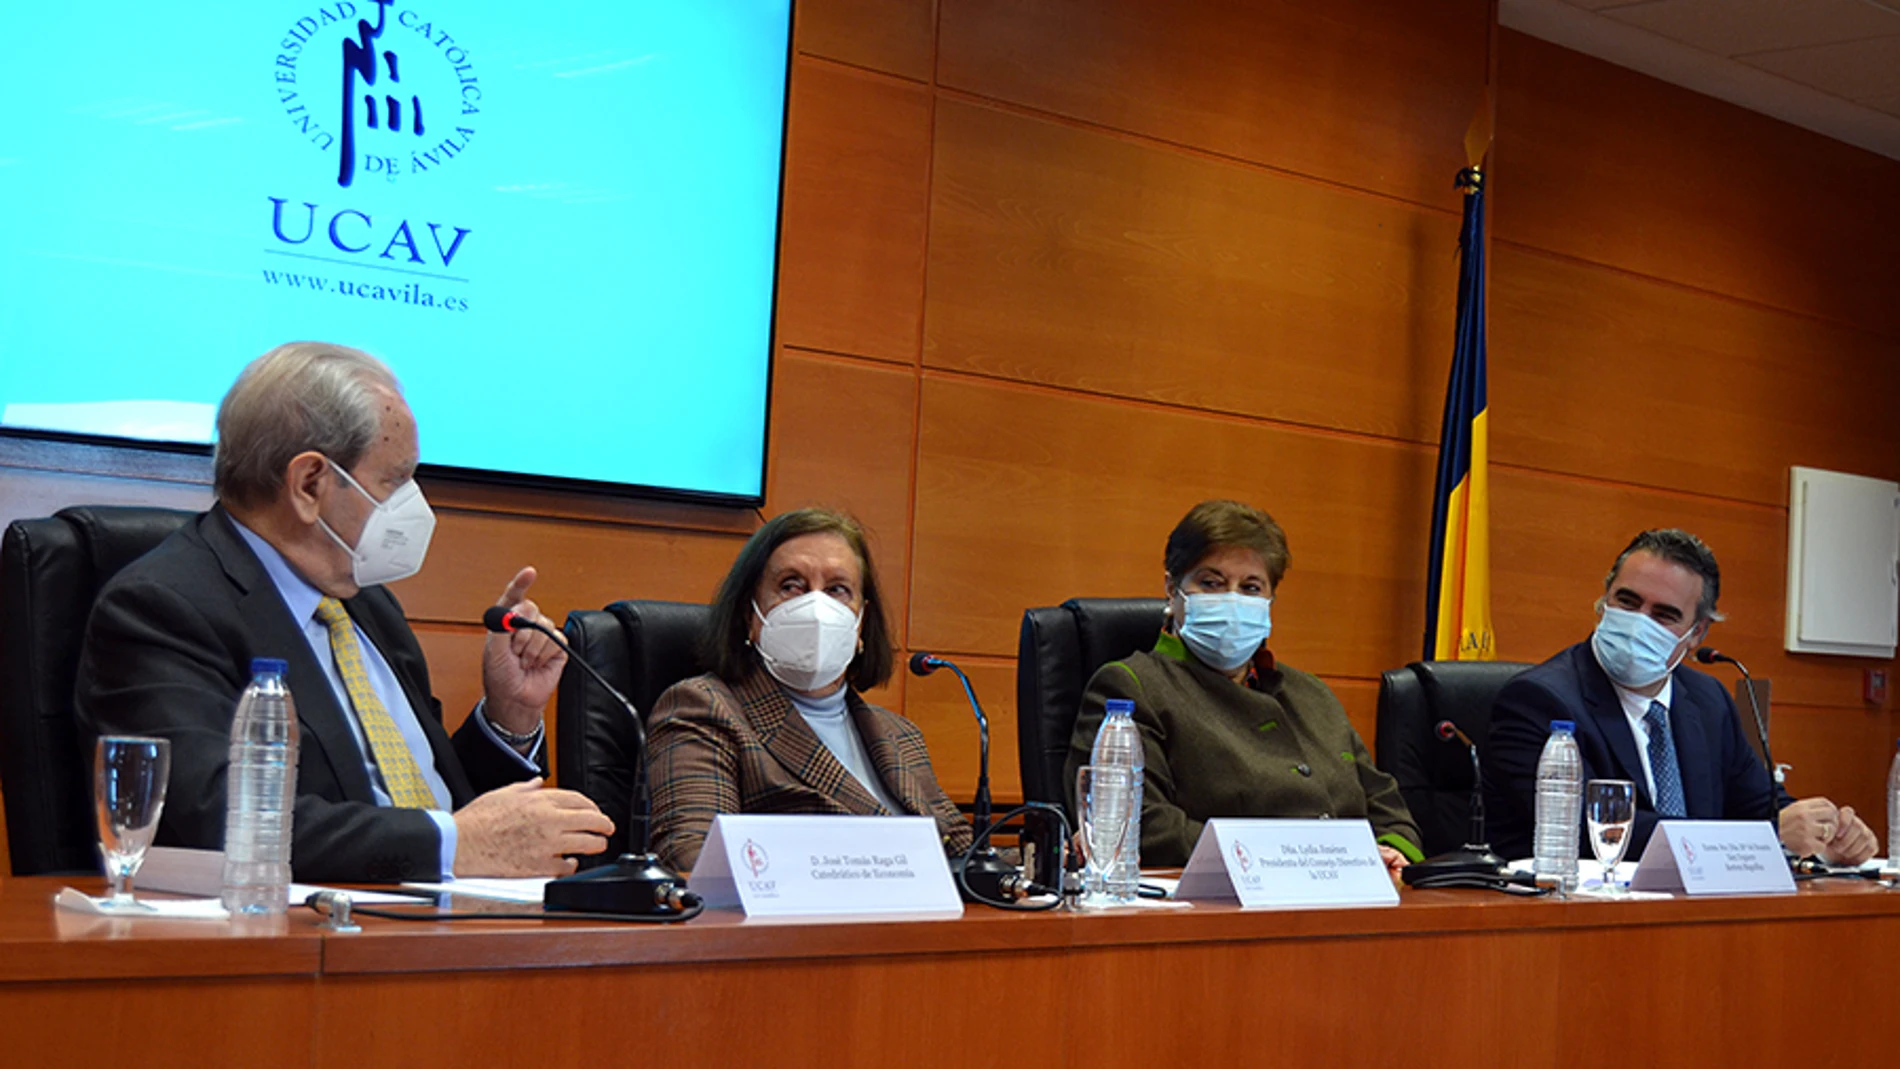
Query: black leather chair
{"x": 642, "y": 647}
{"x": 1435, "y": 774}
{"x": 50, "y": 571}
{"x": 1061, "y": 647}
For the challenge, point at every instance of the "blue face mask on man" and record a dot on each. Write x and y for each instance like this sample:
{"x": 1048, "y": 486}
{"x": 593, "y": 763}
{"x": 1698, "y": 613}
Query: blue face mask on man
{"x": 1634, "y": 649}
{"x": 1224, "y": 630}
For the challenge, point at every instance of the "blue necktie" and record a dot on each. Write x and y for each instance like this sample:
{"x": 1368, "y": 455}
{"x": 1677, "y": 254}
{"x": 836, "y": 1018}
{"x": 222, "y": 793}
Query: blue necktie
{"x": 1662, "y": 762}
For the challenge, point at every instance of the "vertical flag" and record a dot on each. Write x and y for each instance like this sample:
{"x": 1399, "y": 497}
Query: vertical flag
{"x": 1458, "y": 589}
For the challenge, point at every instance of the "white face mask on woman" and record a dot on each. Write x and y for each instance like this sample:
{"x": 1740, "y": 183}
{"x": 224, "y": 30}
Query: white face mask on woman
{"x": 395, "y": 536}
{"x": 808, "y": 641}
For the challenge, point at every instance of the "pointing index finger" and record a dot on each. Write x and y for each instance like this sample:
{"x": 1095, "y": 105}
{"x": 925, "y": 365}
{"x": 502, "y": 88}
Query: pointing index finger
{"x": 517, "y": 588}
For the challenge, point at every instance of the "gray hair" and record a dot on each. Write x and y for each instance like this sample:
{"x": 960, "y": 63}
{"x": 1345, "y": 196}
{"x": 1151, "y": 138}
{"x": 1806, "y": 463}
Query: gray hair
{"x": 300, "y": 397}
{"x": 1681, "y": 548}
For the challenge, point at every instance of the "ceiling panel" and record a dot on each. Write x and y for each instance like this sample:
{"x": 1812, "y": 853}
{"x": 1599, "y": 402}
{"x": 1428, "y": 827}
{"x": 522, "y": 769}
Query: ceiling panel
{"x": 1853, "y": 70}
{"x": 1737, "y": 27}
{"x": 1830, "y": 66}
{"x": 1889, "y": 105}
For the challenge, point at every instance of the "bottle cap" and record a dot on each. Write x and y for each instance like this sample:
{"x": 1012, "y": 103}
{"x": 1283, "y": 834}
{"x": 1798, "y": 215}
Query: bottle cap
{"x": 268, "y": 666}
{"x": 1564, "y": 725}
{"x": 1120, "y": 705}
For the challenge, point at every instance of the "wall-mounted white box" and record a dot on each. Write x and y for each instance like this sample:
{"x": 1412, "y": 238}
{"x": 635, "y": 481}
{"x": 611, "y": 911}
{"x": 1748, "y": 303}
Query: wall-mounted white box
{"x": 1843, "y": 564}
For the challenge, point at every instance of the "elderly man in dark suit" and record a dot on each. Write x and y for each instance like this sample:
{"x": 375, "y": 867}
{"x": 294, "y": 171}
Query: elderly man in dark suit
{"x": 317, "y": 508}
{"x": 1642, "y": 715}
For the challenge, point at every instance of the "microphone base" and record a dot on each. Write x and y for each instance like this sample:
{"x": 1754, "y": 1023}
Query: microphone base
{"x": 634, "y": 884}
{"x": 1471, "y": 860}
{"x": 983, "y": 878}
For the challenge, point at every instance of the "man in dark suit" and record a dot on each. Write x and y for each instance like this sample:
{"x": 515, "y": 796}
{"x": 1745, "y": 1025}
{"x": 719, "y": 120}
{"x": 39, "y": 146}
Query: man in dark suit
{"x": 1642, "y": 715}
{"x": 317, "y": 508}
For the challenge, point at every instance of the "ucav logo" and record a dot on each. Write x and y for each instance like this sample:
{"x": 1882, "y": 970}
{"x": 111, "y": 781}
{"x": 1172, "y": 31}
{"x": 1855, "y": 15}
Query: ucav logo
{"x": 386, "y": 86}
{"x": 355, "y": 233}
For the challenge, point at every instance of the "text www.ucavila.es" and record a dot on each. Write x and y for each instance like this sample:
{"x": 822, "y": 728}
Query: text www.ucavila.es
{"x": 411, "y": 294}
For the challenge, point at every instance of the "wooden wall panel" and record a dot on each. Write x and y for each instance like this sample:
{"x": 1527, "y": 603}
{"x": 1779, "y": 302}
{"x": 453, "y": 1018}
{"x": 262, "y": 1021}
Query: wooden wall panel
{"x": 1064, "y": 257}
{"x": 1027, "y": 496}
{"x": 842, "y": 436}
{"x": 1372, "y": 94}
{"x": 936, "y": 704}
{"x": 1553, "y": 539}
{"x": 1361, "y": 699}
{"x": 1598, "y": 372}
{"x": 852, "y": 254}
{"x": 895, "y": 36}
{"x": 1840, "y": 754}
{"x": 455, "y": 671}
{"x": 582, "y": 565}
{"x": 1597, "y": 162}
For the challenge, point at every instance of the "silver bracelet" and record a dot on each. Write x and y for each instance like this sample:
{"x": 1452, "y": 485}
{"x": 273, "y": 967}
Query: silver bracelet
{"x": 514, "y": 740}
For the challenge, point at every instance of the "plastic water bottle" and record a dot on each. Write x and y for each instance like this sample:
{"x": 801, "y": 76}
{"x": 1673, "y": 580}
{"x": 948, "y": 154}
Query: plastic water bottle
{"x": 1118, "y": 745}
{"x": 1559, "y": 806}
{"x": 260, "y": 790}
{"x": 1893, "y": 812}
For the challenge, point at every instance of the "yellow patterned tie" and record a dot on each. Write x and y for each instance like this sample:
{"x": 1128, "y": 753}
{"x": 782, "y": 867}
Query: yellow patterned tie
{"x": 400, "y": 774}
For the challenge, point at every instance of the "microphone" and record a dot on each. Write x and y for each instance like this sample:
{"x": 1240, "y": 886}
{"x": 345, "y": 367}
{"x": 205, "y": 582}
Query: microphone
{"x": 923, "y": 664}
{"x": 1711, "y": 655}
{"x": 982, "y": 875}
{"x": 1476, "y": 857}
{"x": 635, "y": 883}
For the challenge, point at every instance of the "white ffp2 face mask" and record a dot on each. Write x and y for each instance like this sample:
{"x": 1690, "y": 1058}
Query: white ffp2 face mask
{"x": 395, "y": 537}
{"x": 808, "y": 641}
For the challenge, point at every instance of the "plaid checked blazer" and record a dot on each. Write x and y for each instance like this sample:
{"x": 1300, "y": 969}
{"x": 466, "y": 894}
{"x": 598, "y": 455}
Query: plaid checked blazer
{"x": 717, "y": 749}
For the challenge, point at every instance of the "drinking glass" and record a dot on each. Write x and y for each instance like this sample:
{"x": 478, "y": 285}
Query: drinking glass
{"x": 1104, "y": 797}
{"x": 128, "y": 788}
{"x": 1609, "y": 808}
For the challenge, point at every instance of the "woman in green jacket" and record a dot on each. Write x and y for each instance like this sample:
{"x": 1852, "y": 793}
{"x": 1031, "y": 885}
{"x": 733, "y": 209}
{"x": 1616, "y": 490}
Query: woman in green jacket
{"x": 1227, "y": 730}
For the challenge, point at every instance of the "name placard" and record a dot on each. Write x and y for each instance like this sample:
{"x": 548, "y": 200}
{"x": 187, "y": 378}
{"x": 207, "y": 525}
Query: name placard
{"x": 1714, "y": 857}
{"x": 1288, "y": 864}
{"x": 775, "y": 865}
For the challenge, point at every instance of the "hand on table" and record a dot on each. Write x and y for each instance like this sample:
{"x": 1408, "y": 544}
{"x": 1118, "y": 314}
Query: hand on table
{"x": 1817, "y": 827}
{"x": 524, "y": 829}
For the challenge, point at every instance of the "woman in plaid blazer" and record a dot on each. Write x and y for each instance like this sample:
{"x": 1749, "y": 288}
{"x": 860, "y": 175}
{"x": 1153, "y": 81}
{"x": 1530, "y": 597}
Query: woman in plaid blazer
{"x": 764, "y": 731}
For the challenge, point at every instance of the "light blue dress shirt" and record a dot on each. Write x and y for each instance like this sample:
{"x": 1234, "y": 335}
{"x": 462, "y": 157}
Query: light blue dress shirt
{"x": 301, "y": 599}
{"x": 831, "y": 721}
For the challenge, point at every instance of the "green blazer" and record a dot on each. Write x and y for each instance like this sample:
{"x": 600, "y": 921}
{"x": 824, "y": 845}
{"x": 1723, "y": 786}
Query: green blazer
{"x": 1213, "y": 748}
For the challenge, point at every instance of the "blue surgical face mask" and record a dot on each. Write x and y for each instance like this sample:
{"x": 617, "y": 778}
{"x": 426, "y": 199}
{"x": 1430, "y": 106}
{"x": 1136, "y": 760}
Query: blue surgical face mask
{"x": 1634, "y": 649}
{"x": 1224, "y": 630}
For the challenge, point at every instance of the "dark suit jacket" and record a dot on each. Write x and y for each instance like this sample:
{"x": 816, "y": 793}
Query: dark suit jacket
{"x": 745, "y": 749}
{"x": 1721, "y": 777}
{"x": 168, "y": 650}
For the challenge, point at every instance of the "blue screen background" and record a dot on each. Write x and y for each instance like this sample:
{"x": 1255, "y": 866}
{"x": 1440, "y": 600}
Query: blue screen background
{"x": 615, "y": 166}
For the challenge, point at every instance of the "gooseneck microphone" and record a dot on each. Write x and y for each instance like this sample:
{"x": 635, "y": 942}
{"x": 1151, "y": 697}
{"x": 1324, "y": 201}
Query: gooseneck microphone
{"x": 922, "y": 664}
{"x": 636, "y": 882}
{"x": 1475, "y": 860}
{"x": 1476, "y": 840}
{"x": 1711, "y": 655}
{"x": 982, "y": 875}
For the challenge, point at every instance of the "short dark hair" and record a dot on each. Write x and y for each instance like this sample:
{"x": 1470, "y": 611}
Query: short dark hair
{"x": 1682, "y": 548}
{"x": 726, "y": 648}
{"x": 1211, "y": 525}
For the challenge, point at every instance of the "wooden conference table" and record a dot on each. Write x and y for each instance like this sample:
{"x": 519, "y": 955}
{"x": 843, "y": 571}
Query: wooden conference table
{"x": 1447, "y": 978}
